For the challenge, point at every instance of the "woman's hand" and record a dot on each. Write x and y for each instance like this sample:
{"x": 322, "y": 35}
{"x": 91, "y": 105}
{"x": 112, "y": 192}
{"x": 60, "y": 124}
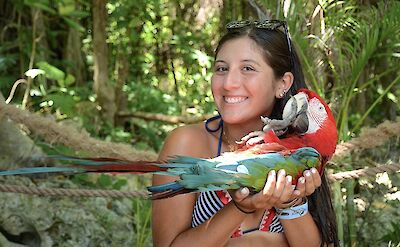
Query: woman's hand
{"x": 308, "y": 183}
{"x": 278, "y": 190}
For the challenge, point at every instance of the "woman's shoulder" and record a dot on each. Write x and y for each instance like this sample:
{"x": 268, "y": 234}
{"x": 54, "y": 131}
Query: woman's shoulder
{"x": 188, "y": 135}
{"x": 189, "y": 132}
{"x": 190, "y": 140}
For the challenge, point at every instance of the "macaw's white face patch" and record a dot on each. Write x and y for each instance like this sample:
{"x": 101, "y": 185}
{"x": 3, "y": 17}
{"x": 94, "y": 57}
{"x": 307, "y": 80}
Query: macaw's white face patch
{"x": 316, "y": 114}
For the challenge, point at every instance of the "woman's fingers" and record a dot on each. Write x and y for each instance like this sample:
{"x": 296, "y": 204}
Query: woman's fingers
{"x": 316, "y": 177}
{"x": 288, "y": 192}
{"x": 263, "y": 198}
{"x": 307, "y": 184}
{"x": 310, "y": 187}
{"x": 300, "y": 188}
{"x": 280, "y": 185}
{"x": 270, "y": 184}
{"x": 283, "y": 189}
{"x": 278, "y": 190}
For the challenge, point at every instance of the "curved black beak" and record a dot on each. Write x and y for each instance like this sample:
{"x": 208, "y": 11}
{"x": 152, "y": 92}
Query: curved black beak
{"x": 300, "y": 124}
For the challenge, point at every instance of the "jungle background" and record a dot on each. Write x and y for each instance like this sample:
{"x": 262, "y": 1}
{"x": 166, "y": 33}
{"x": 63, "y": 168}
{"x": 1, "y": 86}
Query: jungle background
{"x": 129, "y": 72}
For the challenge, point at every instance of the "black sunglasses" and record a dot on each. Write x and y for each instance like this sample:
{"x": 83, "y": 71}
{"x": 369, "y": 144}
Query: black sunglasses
{"x": 268, "y": 25}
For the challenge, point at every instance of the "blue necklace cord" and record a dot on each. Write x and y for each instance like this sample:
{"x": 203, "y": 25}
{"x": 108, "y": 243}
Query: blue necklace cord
{"x": 219, "y": 127}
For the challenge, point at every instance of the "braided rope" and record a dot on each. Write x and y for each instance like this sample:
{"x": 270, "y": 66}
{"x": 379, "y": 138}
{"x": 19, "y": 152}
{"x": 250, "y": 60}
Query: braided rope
{"x": 69, "y": 135}
{"x": 144, "y": 194}
{"x": 72, "y": 192}
{"x": 372, "y": 171}
{"x": 369, "y": 138}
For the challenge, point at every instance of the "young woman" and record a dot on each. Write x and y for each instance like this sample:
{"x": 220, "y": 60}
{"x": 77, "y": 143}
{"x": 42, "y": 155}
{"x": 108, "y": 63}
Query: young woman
{"x": 256, "y": 69}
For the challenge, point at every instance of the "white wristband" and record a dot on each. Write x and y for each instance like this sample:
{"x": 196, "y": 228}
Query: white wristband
{"x": 293, "y": 212}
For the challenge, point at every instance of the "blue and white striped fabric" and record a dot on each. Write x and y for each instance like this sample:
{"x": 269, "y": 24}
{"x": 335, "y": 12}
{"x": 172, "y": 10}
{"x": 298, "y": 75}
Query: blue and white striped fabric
{"x": 208, "y": 204}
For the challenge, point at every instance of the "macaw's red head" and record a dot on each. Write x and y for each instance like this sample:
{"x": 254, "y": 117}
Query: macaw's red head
{"x": 315, "y": 122}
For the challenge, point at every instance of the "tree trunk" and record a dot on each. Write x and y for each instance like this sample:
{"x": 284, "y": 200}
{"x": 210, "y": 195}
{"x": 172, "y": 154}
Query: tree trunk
{"x": 73, "y": 54}
{"x": 122, "y": 69}
{"x": 105, "y": 92}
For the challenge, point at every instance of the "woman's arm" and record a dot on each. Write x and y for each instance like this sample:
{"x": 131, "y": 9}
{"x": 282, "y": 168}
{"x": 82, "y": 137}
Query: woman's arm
{"x": 172, "y": 217}
{"x": 303, "y": 231}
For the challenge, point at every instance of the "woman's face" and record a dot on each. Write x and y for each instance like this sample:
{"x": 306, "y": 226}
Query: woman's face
{"x": 243, "y": 84}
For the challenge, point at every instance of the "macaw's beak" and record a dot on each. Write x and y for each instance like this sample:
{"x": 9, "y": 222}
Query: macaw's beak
{"x": 300, "y": 122}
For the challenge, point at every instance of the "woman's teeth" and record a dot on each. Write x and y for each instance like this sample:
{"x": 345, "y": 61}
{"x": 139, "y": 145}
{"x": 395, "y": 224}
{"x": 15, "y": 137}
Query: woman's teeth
{"x": 234, "y": 100}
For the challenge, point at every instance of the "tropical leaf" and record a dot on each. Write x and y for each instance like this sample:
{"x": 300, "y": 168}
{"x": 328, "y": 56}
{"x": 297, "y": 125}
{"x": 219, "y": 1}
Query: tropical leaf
{"x": 41, "y": 4}
{"x": 51, "y": 71}
{"x": 73, "y": 24}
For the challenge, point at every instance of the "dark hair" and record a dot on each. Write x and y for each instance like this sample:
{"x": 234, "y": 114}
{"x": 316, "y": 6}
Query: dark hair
{"x": 277, "y": 54}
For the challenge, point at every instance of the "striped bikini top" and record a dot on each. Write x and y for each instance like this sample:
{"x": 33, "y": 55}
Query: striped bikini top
{"x": 210, "y": 202}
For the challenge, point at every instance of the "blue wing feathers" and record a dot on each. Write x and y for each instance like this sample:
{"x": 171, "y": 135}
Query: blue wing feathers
{"x": 164, "y": 187}
{"x": 35, "y": 170}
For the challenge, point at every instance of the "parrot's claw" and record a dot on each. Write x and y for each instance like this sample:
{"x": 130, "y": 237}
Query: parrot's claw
{"x": 265, "y": 120}
{"x": 252, "y": 138}
{"x": 255, "y": 140}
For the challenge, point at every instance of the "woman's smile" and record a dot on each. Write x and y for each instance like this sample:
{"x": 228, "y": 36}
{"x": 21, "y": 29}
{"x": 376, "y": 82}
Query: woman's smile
{"x": 234, "y": 99}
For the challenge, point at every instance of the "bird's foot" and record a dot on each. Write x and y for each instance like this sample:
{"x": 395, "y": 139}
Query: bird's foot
{"x": 251, "y": 139}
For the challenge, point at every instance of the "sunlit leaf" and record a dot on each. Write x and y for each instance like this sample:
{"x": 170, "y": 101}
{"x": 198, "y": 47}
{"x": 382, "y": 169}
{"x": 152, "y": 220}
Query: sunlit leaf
{"x": 392, "y": 97}
{"x": 51, "y": 71}
{"x": 396, "y": 54}
{"x": 69, "y": 80}
{"x": 34, "y": 72}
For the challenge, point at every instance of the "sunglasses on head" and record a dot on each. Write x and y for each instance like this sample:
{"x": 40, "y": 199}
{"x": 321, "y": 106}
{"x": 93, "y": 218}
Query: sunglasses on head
{"x": 268, "y": 25}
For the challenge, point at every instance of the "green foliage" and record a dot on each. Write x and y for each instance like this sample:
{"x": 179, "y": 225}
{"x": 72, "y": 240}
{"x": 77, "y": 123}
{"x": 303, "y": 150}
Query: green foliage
{"x": 394, "y": 235}
{"x": 142, "y": 216}
{"x": 352, "y": 48}
{"x": 102, "y": 181}
{"x": 356, "y": 72}
{"x": 42, "y": 5}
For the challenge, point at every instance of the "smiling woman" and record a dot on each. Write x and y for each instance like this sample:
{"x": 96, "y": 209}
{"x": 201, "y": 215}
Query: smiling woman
{"x": 256, "y": 70}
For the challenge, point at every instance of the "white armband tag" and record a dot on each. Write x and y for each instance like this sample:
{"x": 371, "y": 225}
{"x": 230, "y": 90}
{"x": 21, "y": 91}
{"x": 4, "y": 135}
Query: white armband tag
{"x": 293, "y": 212}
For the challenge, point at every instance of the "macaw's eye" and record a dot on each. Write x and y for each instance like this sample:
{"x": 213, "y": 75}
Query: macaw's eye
{"x": 319, "y": 106}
